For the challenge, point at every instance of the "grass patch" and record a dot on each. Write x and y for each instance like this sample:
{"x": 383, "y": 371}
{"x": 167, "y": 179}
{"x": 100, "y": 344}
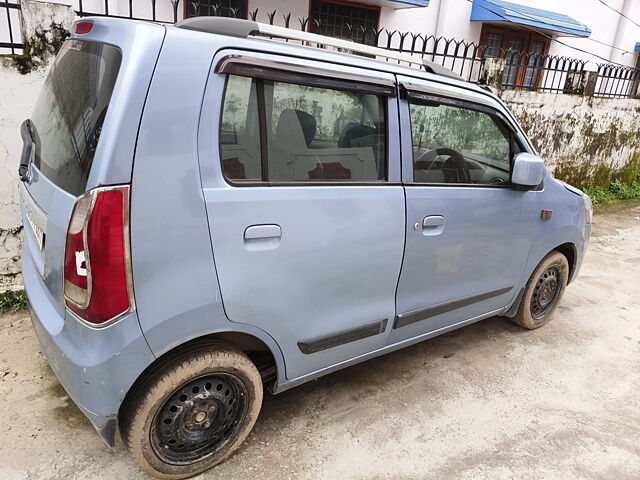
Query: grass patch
{"x": 616, "y": 191}
{"x": 12, "y": 302}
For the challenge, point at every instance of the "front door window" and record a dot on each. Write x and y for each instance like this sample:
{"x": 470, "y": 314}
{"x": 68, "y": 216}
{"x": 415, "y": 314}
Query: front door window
{"x": 453, "y": 144}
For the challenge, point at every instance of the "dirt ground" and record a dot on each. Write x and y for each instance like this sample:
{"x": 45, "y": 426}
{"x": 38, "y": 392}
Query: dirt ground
{"x": 489, "y": 401}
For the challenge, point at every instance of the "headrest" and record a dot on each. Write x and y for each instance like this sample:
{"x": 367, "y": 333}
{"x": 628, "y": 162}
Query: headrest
{"x": 295, "y": 126}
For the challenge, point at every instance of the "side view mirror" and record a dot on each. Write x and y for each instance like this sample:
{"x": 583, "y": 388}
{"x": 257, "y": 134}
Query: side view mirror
{"x": 528, "y": 170}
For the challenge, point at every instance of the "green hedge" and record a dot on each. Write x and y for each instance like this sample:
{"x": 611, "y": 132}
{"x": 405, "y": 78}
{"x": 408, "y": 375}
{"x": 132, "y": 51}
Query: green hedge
{"x": 616, "y": 190}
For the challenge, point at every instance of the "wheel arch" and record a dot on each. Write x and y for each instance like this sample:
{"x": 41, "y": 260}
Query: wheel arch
{"x": 268, "y": 362}
{"x": 567, "y": 249}
{"x": 570, "y": 252}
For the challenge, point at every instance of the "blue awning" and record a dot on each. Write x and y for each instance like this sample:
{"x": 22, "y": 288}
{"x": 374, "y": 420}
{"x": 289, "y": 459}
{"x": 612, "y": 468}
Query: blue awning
{"x": 396, "y": 4}
{"x": 638, "y": 47}
{"x": 510, "y": 13}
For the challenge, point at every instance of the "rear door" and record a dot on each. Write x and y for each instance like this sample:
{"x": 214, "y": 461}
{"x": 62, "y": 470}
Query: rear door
{"x": 469, "y": 231}
{"x": 300, "y": 169}
{"x": 82, "y": 131}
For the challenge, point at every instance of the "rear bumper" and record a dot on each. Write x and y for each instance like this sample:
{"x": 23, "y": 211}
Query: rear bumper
{"x": 96, "y": 367}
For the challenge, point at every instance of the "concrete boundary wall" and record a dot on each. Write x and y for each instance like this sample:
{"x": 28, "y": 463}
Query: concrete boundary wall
{"x": 586, "y": 141}
{"x": 17, "y": 97}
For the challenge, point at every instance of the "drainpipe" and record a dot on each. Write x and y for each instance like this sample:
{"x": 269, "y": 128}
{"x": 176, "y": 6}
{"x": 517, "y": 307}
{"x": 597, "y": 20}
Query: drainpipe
{"x": 435, "y": 32}
{"x": 441, "y": 14}
{"x": 616, "y": 55}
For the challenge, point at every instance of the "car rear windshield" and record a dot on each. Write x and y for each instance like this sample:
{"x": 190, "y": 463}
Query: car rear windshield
{"x": 68, "y": 116}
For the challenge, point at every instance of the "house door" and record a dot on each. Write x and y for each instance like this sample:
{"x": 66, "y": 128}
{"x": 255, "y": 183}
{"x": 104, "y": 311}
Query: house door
{"x": 523, "y": 52}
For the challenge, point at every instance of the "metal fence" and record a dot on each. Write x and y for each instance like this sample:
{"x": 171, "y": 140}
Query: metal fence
{"x": 617, "y": 81}
{"x": 163, "y": 11}
{"x": 521, "y": 70}
{"x": 10, "y": 32}
{"x": 542, "y": 73}
{"x": 545, "y": 73}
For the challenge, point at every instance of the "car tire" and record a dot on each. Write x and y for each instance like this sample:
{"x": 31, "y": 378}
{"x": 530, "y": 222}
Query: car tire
{"x": 193, "y": 413}
{"x": 543, "y": 291}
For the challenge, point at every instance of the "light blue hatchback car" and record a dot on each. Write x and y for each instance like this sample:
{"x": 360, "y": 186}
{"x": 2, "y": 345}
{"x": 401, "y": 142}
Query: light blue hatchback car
{"x": 218, "y": 207}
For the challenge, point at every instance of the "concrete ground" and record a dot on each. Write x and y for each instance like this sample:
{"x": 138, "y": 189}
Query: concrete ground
{"x": 489, "y": 401}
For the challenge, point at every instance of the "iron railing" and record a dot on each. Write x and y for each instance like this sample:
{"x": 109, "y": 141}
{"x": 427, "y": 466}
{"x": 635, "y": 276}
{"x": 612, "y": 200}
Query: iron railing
{"x": 10, "y": 32}
{"x": 164, "y": 11}
{"x": 617, "y": 81}
{"x": 525, "y": 71}
{"x": 542, "y": 73}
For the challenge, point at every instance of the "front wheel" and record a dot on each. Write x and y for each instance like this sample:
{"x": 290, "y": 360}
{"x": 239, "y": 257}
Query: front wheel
{"x": 194, "y": 413}
{"x": 543, "y": 291}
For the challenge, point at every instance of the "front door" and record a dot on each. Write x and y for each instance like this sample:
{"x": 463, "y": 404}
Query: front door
{"x": 469, "y": 231}
{"x": 306, "y": 224}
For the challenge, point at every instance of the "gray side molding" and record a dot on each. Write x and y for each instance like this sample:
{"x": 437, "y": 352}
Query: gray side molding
{"x": 233, "y": 27}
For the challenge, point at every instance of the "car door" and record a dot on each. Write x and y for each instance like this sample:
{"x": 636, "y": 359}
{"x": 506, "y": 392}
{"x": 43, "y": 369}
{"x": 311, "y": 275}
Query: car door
{"x": 469, "y": 231}
{"x": 301, "y": 176}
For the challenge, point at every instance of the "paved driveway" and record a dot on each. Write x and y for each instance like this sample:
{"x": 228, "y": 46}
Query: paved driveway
{"x": 488, "y": 401}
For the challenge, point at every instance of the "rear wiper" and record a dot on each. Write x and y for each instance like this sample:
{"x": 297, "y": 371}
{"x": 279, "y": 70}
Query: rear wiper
{"x": 27, "y": 147}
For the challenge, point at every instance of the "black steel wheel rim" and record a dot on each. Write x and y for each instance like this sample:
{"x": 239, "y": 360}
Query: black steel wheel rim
{"x": 545, "y": 292}
{"x": 198, "y": 419}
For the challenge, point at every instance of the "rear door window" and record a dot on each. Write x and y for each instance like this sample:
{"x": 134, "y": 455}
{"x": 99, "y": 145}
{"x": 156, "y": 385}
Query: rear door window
{"x": 70, "y": 110}
{"x": 281, "y": 132}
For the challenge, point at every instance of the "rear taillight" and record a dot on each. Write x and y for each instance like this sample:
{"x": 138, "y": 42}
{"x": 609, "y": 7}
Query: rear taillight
{"x": 97, "y": 264}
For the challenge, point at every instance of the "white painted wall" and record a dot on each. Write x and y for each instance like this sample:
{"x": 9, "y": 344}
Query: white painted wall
{"x": 18, "y": 95}
{"x": 17, "y": 98}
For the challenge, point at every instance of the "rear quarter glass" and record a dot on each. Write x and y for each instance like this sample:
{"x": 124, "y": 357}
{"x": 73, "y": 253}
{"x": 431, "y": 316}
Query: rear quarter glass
{"x": 70, "y": 110}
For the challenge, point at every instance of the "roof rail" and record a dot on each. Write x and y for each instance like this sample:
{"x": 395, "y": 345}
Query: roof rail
{"x": 236, "y": 27}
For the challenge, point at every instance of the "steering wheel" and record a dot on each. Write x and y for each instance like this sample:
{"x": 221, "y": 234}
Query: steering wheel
{"x": 454, "y": 168}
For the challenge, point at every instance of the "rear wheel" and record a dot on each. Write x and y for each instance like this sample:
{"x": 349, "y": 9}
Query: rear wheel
{"x": 194, "y": 413}
{"x": 543, "y": 291}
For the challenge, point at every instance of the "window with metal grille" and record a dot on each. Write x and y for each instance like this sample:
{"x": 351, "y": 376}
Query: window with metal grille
{"x": 348, "y": 21}
{"x": 492, "y": 45}
{"x": 217, "y": 8}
